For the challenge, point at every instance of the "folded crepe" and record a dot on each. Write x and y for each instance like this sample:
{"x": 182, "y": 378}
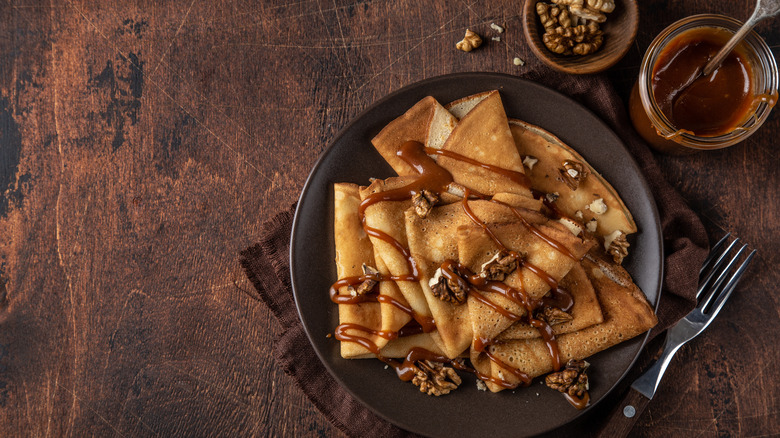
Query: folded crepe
{"x": 585, "y": 312}
{"x": 476, "y": 247}
{"x": 388, "y": 217}
{"x": 548, "y": 175}
{"x": 426, "y": 122}
{"x": 431, "y": 242}
{"x": 626, "y": 315}
{"x": 353, "y": 249}
{"x": 483, "y": 135}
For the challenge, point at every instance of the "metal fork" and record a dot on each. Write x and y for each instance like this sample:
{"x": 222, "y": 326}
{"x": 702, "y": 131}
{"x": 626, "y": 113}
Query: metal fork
{"x": 717, "y": 279}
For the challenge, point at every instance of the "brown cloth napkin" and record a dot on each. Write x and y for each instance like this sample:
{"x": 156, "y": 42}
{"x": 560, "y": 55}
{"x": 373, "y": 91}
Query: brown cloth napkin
{"x": 685, "y": 244}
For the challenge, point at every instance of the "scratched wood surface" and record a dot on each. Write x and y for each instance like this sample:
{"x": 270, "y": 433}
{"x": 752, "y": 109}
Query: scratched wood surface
{"x": 143, "y": 144}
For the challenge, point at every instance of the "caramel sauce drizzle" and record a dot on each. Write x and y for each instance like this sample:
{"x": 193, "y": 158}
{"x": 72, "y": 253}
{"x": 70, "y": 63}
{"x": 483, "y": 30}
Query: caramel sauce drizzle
{"x": 579, "y": 403}
{"x": 516, "y": 177}
{"x": 435, "y": 178}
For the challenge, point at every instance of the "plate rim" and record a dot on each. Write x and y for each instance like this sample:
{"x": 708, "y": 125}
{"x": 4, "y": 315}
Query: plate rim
{"x": 642, "y": 181}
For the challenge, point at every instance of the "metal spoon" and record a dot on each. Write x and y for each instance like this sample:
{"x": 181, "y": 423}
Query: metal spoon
{"x": 764, "y": 9}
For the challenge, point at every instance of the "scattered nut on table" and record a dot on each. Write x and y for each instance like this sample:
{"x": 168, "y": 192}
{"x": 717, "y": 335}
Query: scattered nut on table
{"x": 469, "y": 42}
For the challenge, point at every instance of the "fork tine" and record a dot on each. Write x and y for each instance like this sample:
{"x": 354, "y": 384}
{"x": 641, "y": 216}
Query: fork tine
{"x": 712, "y": 254}
{"x": 722, "y": 273}
{"x": 730, "y": 286}
{"x": 703, "y": 284}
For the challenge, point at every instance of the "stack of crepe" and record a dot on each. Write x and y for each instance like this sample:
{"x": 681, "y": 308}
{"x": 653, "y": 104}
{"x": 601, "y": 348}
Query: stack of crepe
{"x": 608, "y": 307}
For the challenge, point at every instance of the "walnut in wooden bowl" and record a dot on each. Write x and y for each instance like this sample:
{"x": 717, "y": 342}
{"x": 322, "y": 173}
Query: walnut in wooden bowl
{"x": 562, "y": 39}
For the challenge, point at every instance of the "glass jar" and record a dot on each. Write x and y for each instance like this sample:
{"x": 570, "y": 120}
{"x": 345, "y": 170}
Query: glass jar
{"x": 659, "y": 131}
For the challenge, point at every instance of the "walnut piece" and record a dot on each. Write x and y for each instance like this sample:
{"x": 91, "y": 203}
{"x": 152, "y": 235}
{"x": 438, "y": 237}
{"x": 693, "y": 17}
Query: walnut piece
{"x": 573, "y": 173}
{"x": 571, "y": 26}
{"x": 469, "y": 42}
{"x": 602, "y": 5}
{"x": 367, "y": 285}
{"x": 497, "y": 28}
{"x": 553, "y": 16}
{"x": 434, "y": 378}
{"x": 592, "y": 226}
{"x": 451, "y": 291}
{"x": 578, "y": 40}
{"x": 571, "y": 380}
{"x": 530, "y": 161}
{"x": 424, "y": 201}
{"x": 553, "y": 315}
{"x": 582, "y": 9}
{"x": 501, "y": 265}
{"x": 616, "y": 245}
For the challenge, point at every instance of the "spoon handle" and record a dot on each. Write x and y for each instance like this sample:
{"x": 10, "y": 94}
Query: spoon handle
{"x": 764, "y": 9}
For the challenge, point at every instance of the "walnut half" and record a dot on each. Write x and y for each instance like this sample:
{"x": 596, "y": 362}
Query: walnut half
{"x": 571, "y": 380}
{"x": 368, "y": 284}
{"x": 501, "y": 265}
{"x": 573, "y": 173}
{"x": 434, "y": 378}
{"x": 451, "y": 291}
{"x": 423, "y": 202}
{"x": 469, "y": 42}
{"x": 616, "y": 245}
{"x": 553, "y": 315}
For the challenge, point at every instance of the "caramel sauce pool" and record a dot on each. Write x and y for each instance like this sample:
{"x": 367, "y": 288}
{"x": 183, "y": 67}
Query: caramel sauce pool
{"x": 705, "y": 105}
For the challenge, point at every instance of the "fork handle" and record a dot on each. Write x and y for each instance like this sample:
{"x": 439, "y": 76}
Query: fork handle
{"x": 624, "y": 416}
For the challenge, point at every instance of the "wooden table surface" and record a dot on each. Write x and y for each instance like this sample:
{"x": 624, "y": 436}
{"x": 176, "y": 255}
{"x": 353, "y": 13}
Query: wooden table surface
{"x": 143, "y": 144}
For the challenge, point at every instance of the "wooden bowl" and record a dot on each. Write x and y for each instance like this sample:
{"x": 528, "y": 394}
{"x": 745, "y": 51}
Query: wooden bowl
{"x": 619, "y": 33}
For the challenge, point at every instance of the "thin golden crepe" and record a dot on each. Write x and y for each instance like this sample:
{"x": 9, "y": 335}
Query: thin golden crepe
{"x": 475, "y": 248}
{"x": 545, "y": 177}
{"x": 483, "y": 135}
{"x": 626, "y": 315}
{"x": 353, "y": 249}
{"x": 585, "y": 312}
{"x": 426, "y": 122}
{"x": 431, "y": 242}
{"x": 388, "y": 217}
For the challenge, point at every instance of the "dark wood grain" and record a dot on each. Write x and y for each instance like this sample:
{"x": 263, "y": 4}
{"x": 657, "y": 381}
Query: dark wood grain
{"x": 143, "y": 144}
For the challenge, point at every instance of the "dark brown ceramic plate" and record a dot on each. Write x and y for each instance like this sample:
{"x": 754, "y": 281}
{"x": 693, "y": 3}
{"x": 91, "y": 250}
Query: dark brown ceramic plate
{"x": 467, "y": 411}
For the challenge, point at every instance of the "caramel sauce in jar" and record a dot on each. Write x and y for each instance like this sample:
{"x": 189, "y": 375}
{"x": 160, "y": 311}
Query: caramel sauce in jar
{"x": 708, "y": 105}
{"x": 678, "y": 110}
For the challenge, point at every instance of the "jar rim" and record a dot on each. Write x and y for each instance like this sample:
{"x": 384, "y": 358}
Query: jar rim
{"x": 755, "y": 45}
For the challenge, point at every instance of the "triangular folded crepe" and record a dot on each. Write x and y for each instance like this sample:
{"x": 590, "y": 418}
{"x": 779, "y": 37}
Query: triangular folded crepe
{"x": 388, "y": 217}
{"x": 585, "y": 312}
{"x": 426, "y": 122}
{"x": 431, "y": 242}
{"x": 483, "y": 135}
{"x": 626, "y": 314}
{"x": 475, "y": 248}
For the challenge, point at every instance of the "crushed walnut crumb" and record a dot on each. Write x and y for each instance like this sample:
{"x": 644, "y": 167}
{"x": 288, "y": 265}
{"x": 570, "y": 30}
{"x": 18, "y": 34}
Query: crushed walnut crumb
{"x": 598, "y": 206}
{"x": 530, "y": 161}
{"x": 497, "y": 28}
